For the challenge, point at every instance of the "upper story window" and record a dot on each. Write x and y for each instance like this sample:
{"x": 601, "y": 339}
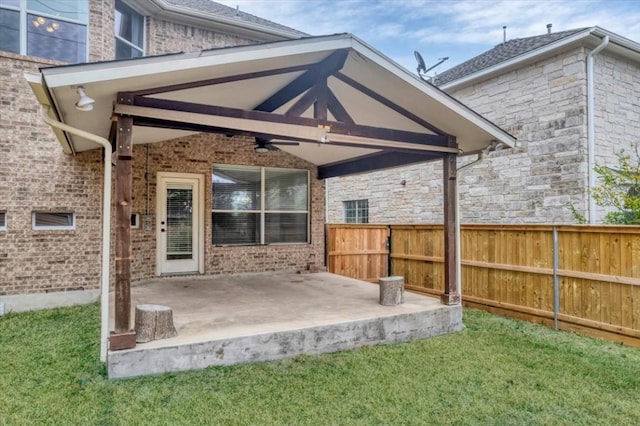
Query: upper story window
{"x": 51, "y": 29}
{"x": 129, "y": 32}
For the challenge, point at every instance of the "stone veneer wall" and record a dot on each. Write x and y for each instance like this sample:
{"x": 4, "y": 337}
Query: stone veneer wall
{"x": 617, "y": 108}
{"x": 544, "y": 106}
{"x": 35, "y": 175}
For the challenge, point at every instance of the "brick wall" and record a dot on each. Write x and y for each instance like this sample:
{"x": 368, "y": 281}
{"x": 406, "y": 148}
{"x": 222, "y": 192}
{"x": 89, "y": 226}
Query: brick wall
{"x": 197, "y": 154}
{"x": 543, "y": 105}
{"x": 35, "y": 175}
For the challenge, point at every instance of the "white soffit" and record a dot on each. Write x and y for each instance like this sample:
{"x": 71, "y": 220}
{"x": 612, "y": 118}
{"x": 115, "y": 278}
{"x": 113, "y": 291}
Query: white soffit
{"x": 364, "y": 65}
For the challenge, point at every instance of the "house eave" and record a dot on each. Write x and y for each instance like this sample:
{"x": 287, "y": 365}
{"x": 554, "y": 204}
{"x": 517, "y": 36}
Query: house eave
{"x": 590, "y": 37}
{"x": 162, "y": 10}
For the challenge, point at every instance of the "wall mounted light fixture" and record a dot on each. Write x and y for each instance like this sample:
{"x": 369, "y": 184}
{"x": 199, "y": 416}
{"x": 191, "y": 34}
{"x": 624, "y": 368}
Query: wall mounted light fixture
{"x": 85, "y": 103}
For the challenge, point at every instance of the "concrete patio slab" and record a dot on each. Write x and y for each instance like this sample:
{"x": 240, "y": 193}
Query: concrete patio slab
{"x": 231, "y": 319}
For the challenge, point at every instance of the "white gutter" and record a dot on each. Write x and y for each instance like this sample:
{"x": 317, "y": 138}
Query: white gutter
{"x": 457, "y": 223}
{"x": 591, "y": 143}
{"x": 106, "y": 223}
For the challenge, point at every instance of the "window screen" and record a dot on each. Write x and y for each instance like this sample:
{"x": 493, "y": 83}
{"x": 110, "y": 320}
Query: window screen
{"x": 48, "y": 220}
{"x": 256, "y": 205}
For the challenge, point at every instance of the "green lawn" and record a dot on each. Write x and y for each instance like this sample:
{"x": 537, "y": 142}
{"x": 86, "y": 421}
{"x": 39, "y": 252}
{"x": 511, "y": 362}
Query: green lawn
{"x": 497, "y": 371}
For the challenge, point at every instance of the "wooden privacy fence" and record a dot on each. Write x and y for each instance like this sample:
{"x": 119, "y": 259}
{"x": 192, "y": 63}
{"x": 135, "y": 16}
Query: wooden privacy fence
{"x": 580, "y": 278}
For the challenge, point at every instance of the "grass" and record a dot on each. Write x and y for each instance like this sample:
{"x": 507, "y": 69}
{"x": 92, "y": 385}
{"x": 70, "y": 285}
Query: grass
{"x": 497, "y": 371}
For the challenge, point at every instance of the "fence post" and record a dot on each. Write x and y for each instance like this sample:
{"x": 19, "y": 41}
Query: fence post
{"x": 556, "y": 283}
{"x": 389, "y": 252}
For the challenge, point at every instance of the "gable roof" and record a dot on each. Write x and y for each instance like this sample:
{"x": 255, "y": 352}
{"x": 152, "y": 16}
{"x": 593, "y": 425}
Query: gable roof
{"x": 516, "y": 53}
{"x": 346, "y": 107}
{"x": 217, "y": 17}
{"x": 502, "y": 52}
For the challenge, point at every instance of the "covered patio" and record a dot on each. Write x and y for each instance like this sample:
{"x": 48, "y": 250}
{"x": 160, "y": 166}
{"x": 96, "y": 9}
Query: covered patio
{"x": 231, "y": 319}
{"x": 333, "y": 101}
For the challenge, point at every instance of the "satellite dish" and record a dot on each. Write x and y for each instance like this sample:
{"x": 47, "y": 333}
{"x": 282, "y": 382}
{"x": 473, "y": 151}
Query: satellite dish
{"x": 421, "y": 65}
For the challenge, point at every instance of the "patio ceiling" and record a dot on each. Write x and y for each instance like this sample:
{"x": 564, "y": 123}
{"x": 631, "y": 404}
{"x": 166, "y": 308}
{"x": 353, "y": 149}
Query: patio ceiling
{"x": 350, "y": 108}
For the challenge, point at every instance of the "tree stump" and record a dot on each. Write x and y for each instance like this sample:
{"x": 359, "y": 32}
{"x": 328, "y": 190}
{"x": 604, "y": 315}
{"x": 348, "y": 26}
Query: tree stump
{"x": 391, "y": 291}
{"x": 154, "y": 322}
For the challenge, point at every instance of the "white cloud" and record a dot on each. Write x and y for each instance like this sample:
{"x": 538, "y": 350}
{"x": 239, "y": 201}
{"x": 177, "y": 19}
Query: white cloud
{"x": 443, "y": 28}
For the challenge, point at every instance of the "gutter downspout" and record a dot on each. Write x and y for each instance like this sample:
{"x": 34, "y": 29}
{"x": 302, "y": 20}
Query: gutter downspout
{"x": 457, "y": 222}
{"x": 106, "y": 223}
{"x": 591, "y": 143}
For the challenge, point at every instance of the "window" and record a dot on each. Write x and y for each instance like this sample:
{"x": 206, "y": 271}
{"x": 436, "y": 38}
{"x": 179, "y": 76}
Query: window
{"x": 3, "y": 221}
{"x": 129, "y": 32}
{"x": 135, "y": 220}
{"x": 52, "y": 29}
{"x": 53, "y": 220}
{"x": 259, "y": 205}
{"x": 356, "y": 211}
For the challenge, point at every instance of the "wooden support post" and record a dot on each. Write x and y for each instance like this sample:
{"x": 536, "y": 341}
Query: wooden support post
{"x": 123, "y": 337}
{"x": 451, "y": 294}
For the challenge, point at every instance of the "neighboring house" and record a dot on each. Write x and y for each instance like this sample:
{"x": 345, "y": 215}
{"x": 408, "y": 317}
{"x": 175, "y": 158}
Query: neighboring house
{"x": 538, "y": 89}
{"x": 197, "y": 186}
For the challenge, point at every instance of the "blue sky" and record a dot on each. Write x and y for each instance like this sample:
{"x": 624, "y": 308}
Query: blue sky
{"x": 458, "y": 29}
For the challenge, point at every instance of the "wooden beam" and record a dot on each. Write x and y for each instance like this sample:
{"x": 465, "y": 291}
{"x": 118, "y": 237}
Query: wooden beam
{"x": 303, "y": 104}
{"x": 124, "y": 151}
{"x": 320, "y": 71}
{"x": 386, "y": 102}
{"x": 336, "y": 108}
{"x": 371, "y": 162}
{"x": 451, "y": 294}
{"x": 320, "y": 106}
{"x": 335, "y": 126}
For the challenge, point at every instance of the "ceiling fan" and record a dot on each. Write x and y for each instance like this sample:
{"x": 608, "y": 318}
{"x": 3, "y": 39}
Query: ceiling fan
{"x": 265, "y": 145}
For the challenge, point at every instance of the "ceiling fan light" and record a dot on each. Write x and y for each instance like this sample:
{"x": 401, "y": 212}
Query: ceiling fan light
{"x": 260, "y": 149}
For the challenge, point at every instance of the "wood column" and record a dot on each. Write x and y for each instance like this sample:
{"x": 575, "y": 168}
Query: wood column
{"x": 123, "y": 337}
{"x": 451, "y": 294}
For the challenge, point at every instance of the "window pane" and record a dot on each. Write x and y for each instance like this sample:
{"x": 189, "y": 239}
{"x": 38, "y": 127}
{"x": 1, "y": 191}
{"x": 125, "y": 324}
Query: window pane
{"x": 56, "y": 40}
{"x": 285, "y": 228}
{"x": 9, "y": 31}
{"x": 129, "y": 24}
{"x": 124, "y": 51}
{"x": 236, "y": 228}
{"x": 78, "y": 10}
{"x": 179, "y": 223}
{"x": 286, "y": 189}
{"x": 236, "y": 188}
{"x": 10, "y": 3}
{"x": 43, "y": 219}
{"x": 3, "y": 219}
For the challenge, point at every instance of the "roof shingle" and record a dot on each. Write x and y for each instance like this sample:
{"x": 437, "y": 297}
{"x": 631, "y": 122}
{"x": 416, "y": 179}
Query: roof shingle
{"x": 214, "y": 8}
{"x": 500, "y": 53}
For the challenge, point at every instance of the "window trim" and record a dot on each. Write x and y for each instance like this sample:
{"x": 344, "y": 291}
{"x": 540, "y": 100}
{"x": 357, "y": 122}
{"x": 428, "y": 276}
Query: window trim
{"x": 23, "y": 11}
{"x": 35, "y": 227}
{"x": 3, "y": 224}
{"x": 142, "y": 49}
{"x": 263, "y": 211}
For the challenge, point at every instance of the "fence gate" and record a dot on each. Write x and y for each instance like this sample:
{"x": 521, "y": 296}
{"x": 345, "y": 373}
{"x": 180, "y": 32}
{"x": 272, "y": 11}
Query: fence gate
{"x": 358, "y": 251}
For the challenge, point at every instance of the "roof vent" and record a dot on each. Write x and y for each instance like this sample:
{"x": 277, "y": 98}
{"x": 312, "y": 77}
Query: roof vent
{"x": 504, "y": 33}
{"x": 549, "y": 28}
